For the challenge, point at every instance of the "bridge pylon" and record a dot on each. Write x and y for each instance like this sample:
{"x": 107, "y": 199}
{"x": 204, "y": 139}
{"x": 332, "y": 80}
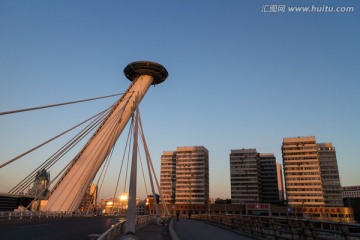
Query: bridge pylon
{"x": 69, "y": 191}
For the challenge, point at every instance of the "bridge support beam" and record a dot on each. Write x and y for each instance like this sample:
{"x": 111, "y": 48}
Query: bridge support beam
{"x": 131, "y": 211}
{"x": 71, "y": 188}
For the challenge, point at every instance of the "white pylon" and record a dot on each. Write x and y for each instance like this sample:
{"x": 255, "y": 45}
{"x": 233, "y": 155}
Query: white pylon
{"x": 71, "y": 188}
{"x": 131, "y": 211}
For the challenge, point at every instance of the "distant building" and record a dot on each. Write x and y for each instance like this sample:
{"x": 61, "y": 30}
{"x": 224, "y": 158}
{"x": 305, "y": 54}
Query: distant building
{"x": 150, "y": 203}
{"x": 269, "y": 179}
{"x": 253, "y": 177}
{"x": 245, "y": 176}
{"x": 119, "y": 205}
{"x": 168, "y": 176}
{"x": 184, "y": 175}
{"x": 330, "y": 175}
{"x": 351, "y": 198}
{"x": 40, "y": 185}
{"x": 141, "y": 208}
{"x": 351, "y": 192}
{"x": 88, "y": 203}
{"x": 311, "y": 173}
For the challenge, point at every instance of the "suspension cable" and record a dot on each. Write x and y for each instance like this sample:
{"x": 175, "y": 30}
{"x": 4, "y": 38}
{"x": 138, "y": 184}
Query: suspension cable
{"x": 110, "y": 134}
{"x": 48, "y": 141}
{"x": 128, "y": 141}
{"x": 151, "y": 167}
{"x": 128, "y": 160}
{"x": 56, "y": 105}
{"x": 142, "y": 170}
{"x": 61, "y": 152}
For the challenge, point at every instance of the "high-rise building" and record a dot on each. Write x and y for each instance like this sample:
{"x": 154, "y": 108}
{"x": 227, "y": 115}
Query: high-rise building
{"x": 302, "y": 172}
{"x": 40, "y": 185}
{"x": 184, "y": 175}
{"x": 253, "y": 177}
{"x": 168, "y": 176}
{"x": 245, "y": 176}
{"x": 88, "y": 203}
{"x": 330, "y": 175}
{"x": 311, "y": 173}
{"x": 269, "y": 178}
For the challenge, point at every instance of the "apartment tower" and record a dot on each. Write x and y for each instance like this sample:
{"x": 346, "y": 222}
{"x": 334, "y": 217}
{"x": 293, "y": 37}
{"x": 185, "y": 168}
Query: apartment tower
{"x": 245, "y": 176}
{"x": 311, "y": 173}
{"x": 269, "y": 178}
{"x": 302, "y": 172}
{"x": 168, "y": 176}
{"x": 330, "y": 175}
{"x": 184, "y": 177}
{"x": 253, "y": 177}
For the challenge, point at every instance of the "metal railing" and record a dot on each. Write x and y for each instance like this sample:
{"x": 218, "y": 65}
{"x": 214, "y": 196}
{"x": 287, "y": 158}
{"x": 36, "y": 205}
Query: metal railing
{"x": 22, "y": 215}
{"x": 119, "y": 228}
{"x": 284, "y": 228}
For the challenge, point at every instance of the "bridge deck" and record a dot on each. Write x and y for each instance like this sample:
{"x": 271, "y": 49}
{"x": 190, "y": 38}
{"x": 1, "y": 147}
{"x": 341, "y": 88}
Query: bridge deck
{"x": 187, "y": 229}
{"x": 152, "y": 232}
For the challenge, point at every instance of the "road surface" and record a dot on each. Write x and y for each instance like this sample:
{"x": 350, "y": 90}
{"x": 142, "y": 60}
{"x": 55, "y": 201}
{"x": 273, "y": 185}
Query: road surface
{"x": 187, "y": 229}
{"x": 56, "y": 229}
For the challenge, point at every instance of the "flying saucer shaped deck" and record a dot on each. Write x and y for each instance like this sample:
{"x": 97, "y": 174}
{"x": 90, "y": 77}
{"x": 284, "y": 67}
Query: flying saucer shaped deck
{"x": 136, "y": 69}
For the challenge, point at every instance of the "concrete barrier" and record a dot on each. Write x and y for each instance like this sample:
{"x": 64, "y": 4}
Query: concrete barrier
{"x": 172, "y": 233}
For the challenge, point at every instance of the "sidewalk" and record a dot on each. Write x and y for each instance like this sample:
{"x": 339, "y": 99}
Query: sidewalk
{"x": 152, "y": 232}
{"x": 187, "y": 229}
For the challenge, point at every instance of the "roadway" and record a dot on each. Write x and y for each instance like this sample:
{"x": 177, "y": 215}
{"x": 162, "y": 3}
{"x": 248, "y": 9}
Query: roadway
{"x": 56, "y": 229}
{"x": 80, "y": 228}
{"x": 187, "y": 229}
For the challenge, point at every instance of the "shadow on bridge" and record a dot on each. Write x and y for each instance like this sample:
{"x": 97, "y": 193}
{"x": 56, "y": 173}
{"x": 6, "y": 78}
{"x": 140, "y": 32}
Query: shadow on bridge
{"x": 187, "y": 229}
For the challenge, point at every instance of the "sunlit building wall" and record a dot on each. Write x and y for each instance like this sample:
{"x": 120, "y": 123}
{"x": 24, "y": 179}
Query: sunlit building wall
{"x": 185, "y": 175}
{"x": 302, "y": 173}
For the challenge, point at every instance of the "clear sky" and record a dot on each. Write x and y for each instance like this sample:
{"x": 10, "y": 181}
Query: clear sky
{"x": 240, "y": 76}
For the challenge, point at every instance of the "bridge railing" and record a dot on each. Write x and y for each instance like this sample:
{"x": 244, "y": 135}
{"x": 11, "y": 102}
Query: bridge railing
{"x": 284, "y": 228}
{"x": 119, "y": 228}
{"x": 22, "y": 215}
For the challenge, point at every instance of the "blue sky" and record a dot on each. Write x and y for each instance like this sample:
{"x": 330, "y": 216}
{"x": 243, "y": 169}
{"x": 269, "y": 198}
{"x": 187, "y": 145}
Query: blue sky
{"x": 238, "y": 77}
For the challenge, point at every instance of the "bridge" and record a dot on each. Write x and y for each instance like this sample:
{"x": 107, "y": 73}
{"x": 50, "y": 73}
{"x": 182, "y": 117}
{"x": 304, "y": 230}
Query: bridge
{"x": 56, "y": 213}
{"x": 76, "y": 226}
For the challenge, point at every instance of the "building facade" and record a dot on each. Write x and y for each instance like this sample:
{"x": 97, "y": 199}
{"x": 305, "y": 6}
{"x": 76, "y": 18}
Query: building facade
{"x": 351, "y": 192}
{"x": 311, "y": 173}
{"x": 302, "y": 172}
{"x": 253, "y": 177}
{"x": 88, "y": 203}
{"x": 184, "y": 177}
{"x": 168, "y": 176}
{"x": 330, "y": 175}
{"x": 245, "y": 176}
{"x": 351, "y": 198}
{"x": 268, "y": 179}
{"x": 40, "y": 185}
